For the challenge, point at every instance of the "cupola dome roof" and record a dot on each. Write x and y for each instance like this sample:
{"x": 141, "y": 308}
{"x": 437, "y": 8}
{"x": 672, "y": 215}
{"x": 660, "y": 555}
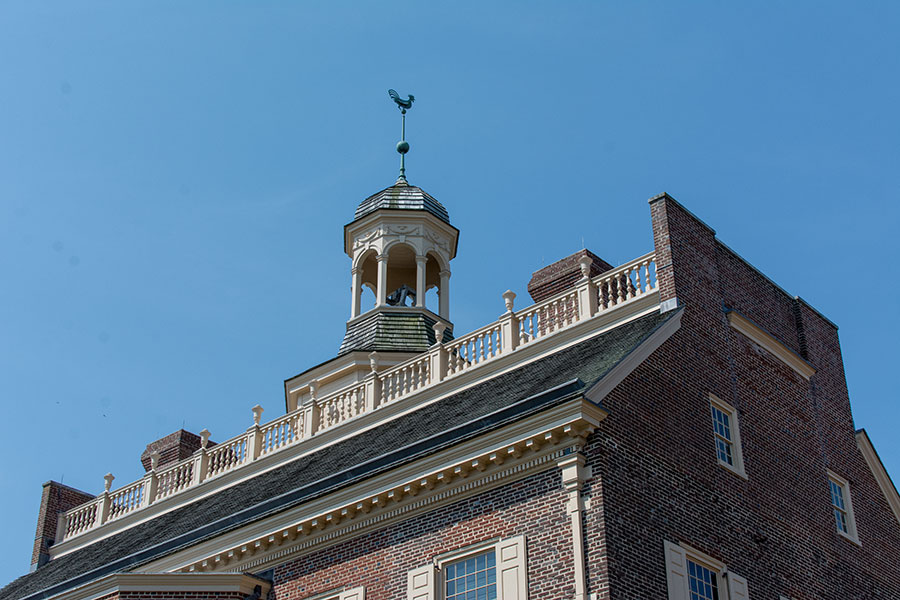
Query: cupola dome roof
{"x": 402, "y": 196}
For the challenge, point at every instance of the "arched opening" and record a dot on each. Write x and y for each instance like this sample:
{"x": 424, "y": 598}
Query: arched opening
{"x": 367, "y": 297}
{"x": 401, "y": 271}
{"x": 366, "y": 282}
{"x": 432, "y": 283}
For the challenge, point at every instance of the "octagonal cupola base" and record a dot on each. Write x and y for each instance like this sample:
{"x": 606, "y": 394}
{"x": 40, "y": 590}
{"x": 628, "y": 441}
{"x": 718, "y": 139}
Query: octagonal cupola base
{"x": 394, "y": 329}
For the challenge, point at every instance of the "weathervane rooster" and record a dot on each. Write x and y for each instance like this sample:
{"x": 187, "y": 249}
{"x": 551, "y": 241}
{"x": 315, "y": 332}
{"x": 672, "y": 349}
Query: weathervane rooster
{"x": 402, "y": 104}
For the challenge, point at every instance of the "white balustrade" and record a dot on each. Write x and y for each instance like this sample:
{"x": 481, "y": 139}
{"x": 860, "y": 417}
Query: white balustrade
{"x": 174, "y": 479}
{"x": 547, "y": 317}
{"x": 626, "y": 282}
{"x": 81, "y": 518}
{"x": 125, "y": 500}
{"x": 226, "y": 456}
{"x": 513, "y": 331}
{"x": 405, "y": 378}
{"x": 282, "y": 432}
{"x": 474, "y": 349}
{"x": 341, "y": 405}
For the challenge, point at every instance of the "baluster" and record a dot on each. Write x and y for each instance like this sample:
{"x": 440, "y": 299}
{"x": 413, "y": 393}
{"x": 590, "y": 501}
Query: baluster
{"x": 638, "y": 287}
{"x": 622, "y": 285}
{"x": 648, "y": 285}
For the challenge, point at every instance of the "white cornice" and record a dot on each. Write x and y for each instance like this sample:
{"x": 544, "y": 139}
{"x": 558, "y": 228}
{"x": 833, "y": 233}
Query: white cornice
{"x": 492, "y": 459}
{"x": 762, "y": 337}
{"x": 162, "y": 583}
{"x": 879, "y": 472}
{"x": 400, "y": 216}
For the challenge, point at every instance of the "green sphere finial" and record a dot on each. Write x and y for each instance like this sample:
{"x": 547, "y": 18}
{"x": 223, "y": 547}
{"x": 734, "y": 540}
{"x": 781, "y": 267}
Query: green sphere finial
{"x": 402, "y": 146}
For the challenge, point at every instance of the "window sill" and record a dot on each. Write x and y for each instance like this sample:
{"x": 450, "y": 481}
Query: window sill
{"x": 734, "y": 470}
{"x": 852, "y": 539}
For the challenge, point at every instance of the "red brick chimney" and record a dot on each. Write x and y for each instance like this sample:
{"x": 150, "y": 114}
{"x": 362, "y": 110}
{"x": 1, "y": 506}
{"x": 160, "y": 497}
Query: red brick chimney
{"x": 562, "y": 275}
{"x": 172, "y": 448}
{"x": 55, "y": 499}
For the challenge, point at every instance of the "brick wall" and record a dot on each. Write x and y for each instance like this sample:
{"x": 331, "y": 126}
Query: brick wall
{"x": 380, "y": 560}
{"x": 56, "y": 498}
{"x": 655, "y": 460}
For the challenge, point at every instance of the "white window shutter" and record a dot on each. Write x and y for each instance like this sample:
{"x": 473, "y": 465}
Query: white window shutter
{"x": 676, "y": 572}
{"x": 737, "y": 587}
{"x": 511, "y": 569}
{"x": 354, "y": 594}
{"x": 421, "y": 584}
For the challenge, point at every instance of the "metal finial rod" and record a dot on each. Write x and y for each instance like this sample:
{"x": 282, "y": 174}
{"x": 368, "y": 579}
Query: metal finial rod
{"x": 402, "y": 145}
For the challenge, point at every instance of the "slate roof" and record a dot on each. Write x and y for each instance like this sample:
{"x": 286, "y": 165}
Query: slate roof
{"x": 402, "y": 196}
{"x": 472, "y": 412}
{"x": 392, "y": 331}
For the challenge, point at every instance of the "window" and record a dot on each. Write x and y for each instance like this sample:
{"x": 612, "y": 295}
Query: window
{"x": 841, "y": 506}
{"x": 693, "y": 575}
{"x": 490, "y": 571}
{"x": 727, "y": 436}
{"x": 472, "y": 578}
{"x": 703, "y": 583}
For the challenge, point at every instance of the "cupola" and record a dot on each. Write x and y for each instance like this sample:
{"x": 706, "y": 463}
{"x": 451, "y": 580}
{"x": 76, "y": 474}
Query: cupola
{"x": 400, "y": 245}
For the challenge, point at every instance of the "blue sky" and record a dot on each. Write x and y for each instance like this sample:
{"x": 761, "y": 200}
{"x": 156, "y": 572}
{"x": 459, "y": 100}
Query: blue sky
{"x": 174, "y": 178}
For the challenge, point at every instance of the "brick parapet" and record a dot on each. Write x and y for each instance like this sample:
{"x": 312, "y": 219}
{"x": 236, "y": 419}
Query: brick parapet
{"x": 55, "y": 498}
{"x": 563, "y": 274}
{"x": 172, "y": 448}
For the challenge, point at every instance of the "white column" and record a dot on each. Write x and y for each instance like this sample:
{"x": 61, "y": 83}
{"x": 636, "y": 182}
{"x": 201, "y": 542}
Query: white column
{"x": 421, "y": 261}
{"x": 356, "y": 291}
{"x": 444, "y": 293}
{"x": 573, "y": 476}
{"x": 382, "y": 279}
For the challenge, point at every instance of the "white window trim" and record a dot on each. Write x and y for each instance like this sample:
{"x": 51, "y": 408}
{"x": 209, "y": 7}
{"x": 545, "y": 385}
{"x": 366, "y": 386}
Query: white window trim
{"x": 731, "y": 586}
{"x": 357, "y": 593}
{"x": 427, "y": 582}
{"x": 851, "y": 533}
{"x": 737, "y": 450}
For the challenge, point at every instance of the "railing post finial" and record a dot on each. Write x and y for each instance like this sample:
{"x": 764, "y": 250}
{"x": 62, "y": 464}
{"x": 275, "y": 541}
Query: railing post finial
{"x": 108, "y": 479}
{"x": 257, "y": 414}
{"x": 509, "y": 297}
{"x": 373, "y": 361}
{"x": 154, "y": 460}
{"x": 585, "y": 264}
{"x": 439, "y": 328}
{"x": 204, "y": 438}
